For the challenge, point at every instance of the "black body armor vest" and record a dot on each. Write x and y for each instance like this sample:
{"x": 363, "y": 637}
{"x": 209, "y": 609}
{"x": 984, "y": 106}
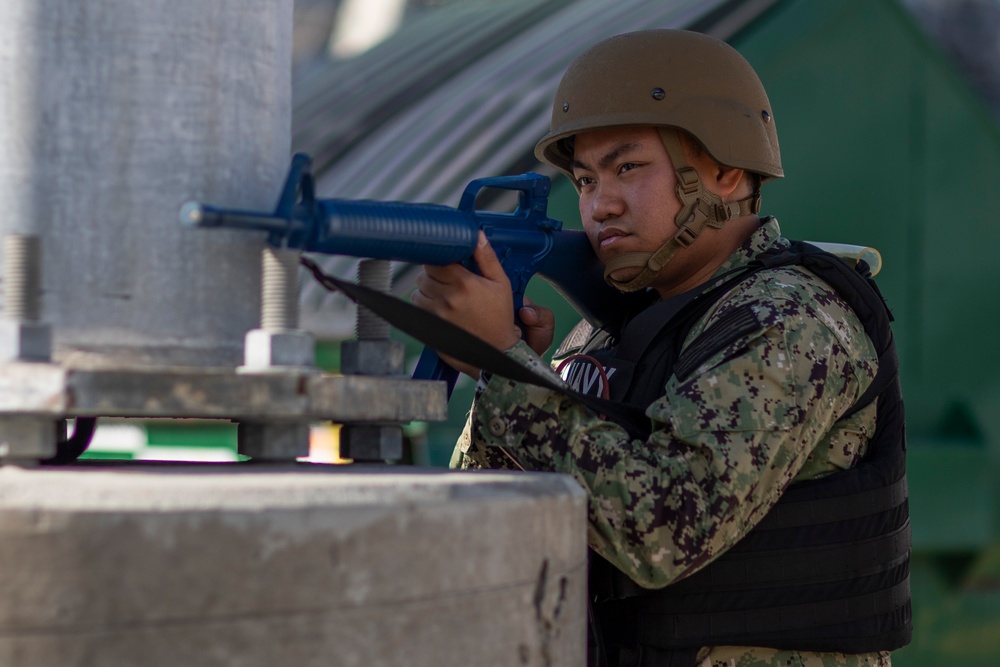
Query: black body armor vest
{"x": 827, "y": 569}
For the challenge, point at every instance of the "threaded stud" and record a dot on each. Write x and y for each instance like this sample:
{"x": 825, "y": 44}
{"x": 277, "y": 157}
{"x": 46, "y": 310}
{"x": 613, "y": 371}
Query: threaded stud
{"x": 375, "y": 274}
{"x": 279, "y": 305}
{"x": 22, "y": 277}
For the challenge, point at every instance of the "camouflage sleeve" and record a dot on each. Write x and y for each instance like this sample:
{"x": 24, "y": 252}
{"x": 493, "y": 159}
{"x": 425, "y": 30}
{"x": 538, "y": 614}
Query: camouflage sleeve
{"x": 725, "y": 443}
{"x": 745, "y": 656}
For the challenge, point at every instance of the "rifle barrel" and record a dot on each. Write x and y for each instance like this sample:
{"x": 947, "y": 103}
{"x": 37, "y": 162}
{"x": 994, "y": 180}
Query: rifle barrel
{"x": 196, "y": 214}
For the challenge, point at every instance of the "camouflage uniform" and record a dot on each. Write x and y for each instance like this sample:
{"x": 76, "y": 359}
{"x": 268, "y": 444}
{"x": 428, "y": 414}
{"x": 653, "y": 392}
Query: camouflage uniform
{"x": 756, "y": 416}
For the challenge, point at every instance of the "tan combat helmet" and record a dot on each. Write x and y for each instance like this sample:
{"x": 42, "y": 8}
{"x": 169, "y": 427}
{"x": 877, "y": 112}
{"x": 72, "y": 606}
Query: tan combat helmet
{"x": 672, "y": 80}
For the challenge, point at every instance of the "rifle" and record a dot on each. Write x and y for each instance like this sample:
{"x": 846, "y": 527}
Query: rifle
{"x": 526, "y": 241}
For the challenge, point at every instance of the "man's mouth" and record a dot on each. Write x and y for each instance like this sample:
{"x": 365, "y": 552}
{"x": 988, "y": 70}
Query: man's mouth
{"x": 609, "y": 237}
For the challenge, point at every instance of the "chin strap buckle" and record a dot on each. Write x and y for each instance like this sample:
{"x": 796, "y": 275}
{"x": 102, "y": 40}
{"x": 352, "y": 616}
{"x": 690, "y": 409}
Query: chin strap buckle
{"x": 685, "y": 236}
{"x": 688, "y": 182}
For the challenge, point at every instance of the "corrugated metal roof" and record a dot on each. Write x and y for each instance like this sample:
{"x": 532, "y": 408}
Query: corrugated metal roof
{"x": 461, "y": 96}
{"x": 341, "y": 104}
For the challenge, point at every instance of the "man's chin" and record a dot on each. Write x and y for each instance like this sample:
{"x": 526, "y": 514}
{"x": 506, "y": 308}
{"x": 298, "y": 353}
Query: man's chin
{"x": 625, "y": 274}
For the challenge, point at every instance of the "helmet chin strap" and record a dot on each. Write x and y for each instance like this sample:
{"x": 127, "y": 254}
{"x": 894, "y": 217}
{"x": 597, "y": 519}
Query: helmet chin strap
{"x": 699, "y": 208}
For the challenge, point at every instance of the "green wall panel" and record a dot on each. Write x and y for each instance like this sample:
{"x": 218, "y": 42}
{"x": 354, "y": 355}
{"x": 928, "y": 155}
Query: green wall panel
{"x": 885, "y": 144}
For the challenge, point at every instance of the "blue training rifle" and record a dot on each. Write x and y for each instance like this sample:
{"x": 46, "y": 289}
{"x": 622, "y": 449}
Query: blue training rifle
{"x": 526, "y": 241}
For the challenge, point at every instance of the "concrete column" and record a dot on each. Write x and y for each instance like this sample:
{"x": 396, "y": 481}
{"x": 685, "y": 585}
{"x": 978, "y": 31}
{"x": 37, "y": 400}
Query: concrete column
{"x": 113, "y": 114}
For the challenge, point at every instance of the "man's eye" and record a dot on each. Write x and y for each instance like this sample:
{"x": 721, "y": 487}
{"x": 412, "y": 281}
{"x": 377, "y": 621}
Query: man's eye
{"x": 582, "y": 181}
{"x": 628, "y": 166}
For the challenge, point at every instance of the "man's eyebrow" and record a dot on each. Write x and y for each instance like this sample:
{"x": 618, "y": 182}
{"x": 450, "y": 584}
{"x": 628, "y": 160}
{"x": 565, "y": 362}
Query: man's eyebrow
{"x": 609, "y": 157}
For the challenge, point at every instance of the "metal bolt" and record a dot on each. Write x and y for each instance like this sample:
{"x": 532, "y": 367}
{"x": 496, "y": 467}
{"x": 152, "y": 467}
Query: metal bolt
{"x": 658, "y": 93}
{"x": 278, "y": 343}
{"x": 22, "y": 336}
{"x": 373, "y": 353}
{"x": 565, "y": 106}
{"x": 22, "y": 277}
{"x": 766, "y": 116}
{"x": 279, "y": 305}
{"x": 376, "y": 274}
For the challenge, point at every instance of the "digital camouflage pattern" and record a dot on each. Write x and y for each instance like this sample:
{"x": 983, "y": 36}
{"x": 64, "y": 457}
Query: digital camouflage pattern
{"x": 753, "y": 418}
{"x": 743, "y": 657}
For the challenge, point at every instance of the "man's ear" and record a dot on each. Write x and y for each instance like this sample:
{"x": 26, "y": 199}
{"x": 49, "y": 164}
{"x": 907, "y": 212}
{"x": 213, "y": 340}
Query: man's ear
{"x": 721, "y": 180}
{"x": 727, "y": 180}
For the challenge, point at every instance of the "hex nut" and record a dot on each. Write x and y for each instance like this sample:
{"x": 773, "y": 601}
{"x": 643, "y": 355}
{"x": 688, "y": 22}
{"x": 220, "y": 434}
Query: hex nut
{"x": 28, "y": 437}
{"x": 25, "y": 341}
{"x": 273, "y": 441}
{"x": 372, "y": 357}
{"x": 265, "y": 349}
{"x": 371, "y": 442}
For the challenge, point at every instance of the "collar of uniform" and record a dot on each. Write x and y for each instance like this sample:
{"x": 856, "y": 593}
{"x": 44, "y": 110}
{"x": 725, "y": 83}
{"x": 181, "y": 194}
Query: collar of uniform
{"x": 764, "y": 238}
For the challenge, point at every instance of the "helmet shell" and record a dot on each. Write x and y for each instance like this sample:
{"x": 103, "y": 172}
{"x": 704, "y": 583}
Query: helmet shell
{"x": 667, "y": 78}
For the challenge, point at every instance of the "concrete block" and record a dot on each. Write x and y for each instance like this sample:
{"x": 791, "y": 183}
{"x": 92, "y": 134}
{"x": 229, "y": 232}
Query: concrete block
{"x": 312, "y": 566}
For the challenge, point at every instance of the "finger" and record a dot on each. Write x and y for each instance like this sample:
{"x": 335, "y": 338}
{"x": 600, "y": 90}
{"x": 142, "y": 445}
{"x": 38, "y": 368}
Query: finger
{"x": 486, "y": 259}
{"x": 440, "y": 282}
{"x": 528, "y": 314}
{"x": 539, "y": 327}
{"x": 426, "y": 287}
{"x": 449, "y": 273}
{"x": 534, "y": 315}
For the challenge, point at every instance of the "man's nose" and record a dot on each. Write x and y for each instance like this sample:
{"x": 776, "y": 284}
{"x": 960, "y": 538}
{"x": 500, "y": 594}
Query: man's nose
{"x": 606, "y": 204}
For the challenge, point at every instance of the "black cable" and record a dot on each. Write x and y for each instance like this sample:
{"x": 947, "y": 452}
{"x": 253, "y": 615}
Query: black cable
{"x": 70, "y": 449}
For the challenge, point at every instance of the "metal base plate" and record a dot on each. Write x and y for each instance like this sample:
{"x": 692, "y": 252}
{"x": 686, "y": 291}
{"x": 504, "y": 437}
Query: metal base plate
{"x": 295, "y": 395}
